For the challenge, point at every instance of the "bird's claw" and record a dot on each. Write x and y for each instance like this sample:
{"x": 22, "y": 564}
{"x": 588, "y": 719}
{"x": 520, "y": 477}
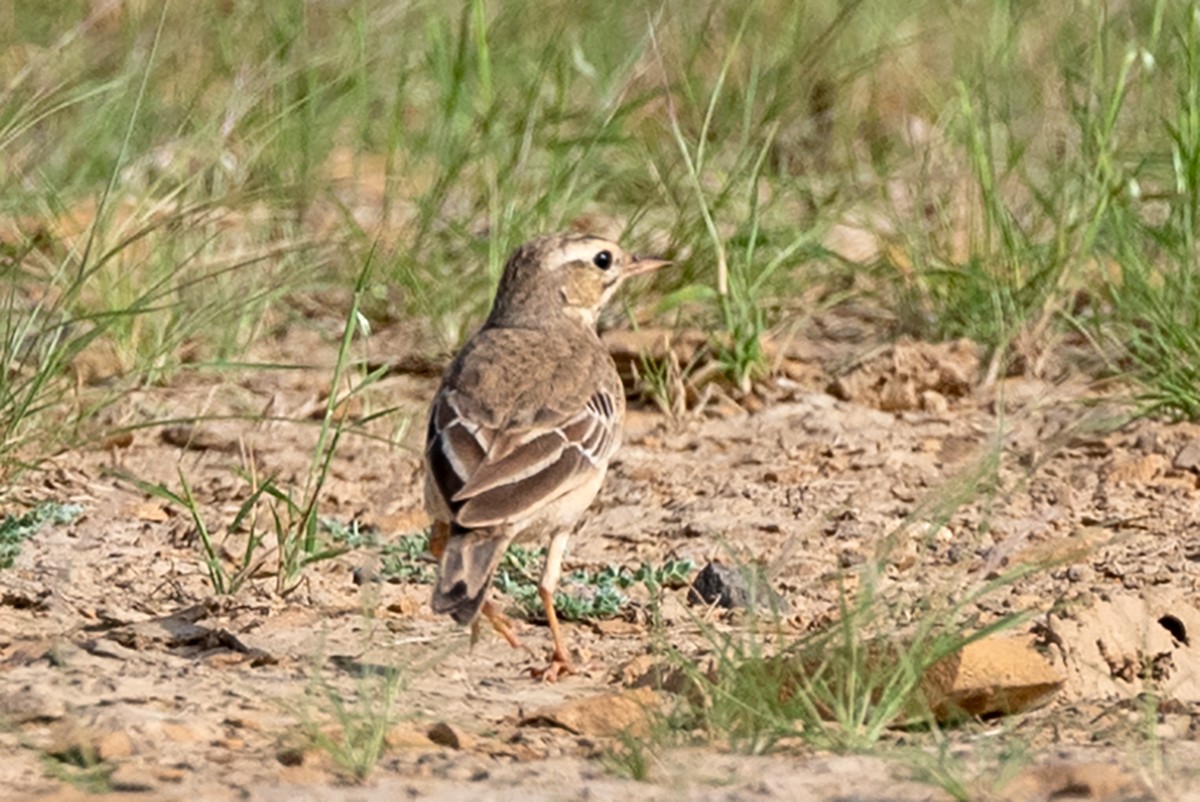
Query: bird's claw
{"x": 559, "y": 666}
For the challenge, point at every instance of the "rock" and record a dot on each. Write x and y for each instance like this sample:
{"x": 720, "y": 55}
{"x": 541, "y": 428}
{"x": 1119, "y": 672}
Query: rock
{"x": 898, "y": 394}
{"x": 934, "y": 402}
{"x": 114, "y": 746}
{"x": 649, "y": 671}
{"x": 1081, "y": 573}
{"x": 406, "y": 606}
{"x": 28, "y": 704}
{"x": 731, "y": 588}
{"x": 169, "y": 774}
{"x": 852, "y": 242}
{"x": 448, "y": 735}
{"x": 992, "y": 676}
{"x": 290, "y": 756}
{"x": 130, "y": 778}
{"x": 149, "y": 511}
{"x": 406, "y": 736}
{"x": 365, "y": 574}
{"x": 1093, "y": 781}
{"x": 1138, "y": 470}
{"x": 1188, "y": 458}
{"x": 180, "y": 733}
{"x": 604, "y": 715}
{"x": 1129, "y": 643}
{"x": 900, "y": 377}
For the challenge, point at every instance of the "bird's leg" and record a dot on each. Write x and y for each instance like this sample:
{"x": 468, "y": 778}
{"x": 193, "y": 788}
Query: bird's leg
{"x": 499, "y": 621}
{"x": 560, "y": 664}
{"x": 438, "y": 537}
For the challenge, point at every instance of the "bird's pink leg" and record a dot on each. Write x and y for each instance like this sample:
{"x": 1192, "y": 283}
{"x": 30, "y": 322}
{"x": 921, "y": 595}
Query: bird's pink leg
{"x": 560, "y": 664}
{"x": 500, "y": 622}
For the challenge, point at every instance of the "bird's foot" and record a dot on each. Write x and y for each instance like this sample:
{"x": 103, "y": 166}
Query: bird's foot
{"x": 559, "y": 666}
{"x": 500, "y": 622}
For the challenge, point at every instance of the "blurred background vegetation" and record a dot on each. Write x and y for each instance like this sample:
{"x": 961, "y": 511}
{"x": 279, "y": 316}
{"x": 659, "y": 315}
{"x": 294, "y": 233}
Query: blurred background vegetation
{"x": 180, "y": 180}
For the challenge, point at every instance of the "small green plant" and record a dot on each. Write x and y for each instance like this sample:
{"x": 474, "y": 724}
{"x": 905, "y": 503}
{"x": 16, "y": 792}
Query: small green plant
{"x": 16, "y": 529}
{"x": 405, "y": 559}
{"x": 839, "y": 688}
{"x": 298, "y": 527}
{"x": 408, "y": 559}
{"x": 588, "y": 595}
{"x": 223, "y": 579}
{"x": 299, "y": 537}
{"x": 79, "y": 764}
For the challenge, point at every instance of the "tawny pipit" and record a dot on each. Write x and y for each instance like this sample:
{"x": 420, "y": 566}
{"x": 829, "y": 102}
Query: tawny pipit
{"x": 524, "y": 423}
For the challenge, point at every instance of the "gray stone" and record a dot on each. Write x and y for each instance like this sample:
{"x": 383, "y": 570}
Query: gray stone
{"x": 734, "y": 587}
{"x": 1188, "y": 458}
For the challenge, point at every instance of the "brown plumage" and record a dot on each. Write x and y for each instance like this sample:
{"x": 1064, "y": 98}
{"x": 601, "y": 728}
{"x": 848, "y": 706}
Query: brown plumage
{"x": 524, "y": 423}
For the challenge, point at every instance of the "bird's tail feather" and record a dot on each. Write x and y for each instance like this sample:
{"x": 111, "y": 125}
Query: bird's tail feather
{"x": 467, "y": 564}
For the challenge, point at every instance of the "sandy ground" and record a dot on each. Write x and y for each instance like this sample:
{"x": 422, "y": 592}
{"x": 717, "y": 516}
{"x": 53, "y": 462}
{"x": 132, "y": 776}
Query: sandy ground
{"x": 113, "y": 645}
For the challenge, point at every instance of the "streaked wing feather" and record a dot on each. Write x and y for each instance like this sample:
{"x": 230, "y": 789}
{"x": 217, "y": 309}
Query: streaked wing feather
{"x": 523, "y": 470}
{"x": 520, "y": 461}
{"x": 517, "y": 499}
{"x": 452, "y": 448}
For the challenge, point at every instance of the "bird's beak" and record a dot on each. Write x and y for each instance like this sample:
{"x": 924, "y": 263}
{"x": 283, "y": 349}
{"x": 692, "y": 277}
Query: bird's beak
{"x": 643, "y": 265}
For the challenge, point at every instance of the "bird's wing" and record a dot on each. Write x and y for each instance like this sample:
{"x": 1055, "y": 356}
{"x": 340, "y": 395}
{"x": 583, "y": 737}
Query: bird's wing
{"x": 493, "y": 475}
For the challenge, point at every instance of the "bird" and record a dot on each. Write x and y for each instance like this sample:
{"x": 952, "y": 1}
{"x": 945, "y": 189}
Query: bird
{"x": 523, "y": 425}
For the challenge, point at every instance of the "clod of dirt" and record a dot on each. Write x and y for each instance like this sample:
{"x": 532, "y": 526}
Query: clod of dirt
{"x": 364, "y": 575}
{"x": 1138, "y": 470}
{"x": 98, "y": 363}
{"x": 149, "y": 511}
{"x": 1100, "y": 782}
{"x": 649, "y": 671}
{"x": 1128, "y": 644}
{"x": 28, "y": 704}
{"x": 179, "y": 634}
{"x": 407, "y": 735}
{"x": 25, "y": 653}
{"x": 734, "y": 588}
{"x": 1188, "y": 458}
{"x": 450, "y": 736}
{"x": 25, "y": 596}
{"x": 989, "y": 677}
{"x": 853, "y": 242}
{"x": 1076, "y": 547}
{"x": 195, "y": 438}
{"x": 911, "y": 376}
{"x": 131, "y": 778}
{"x": 603, "y": 715}
{"x": 114, "y": 746}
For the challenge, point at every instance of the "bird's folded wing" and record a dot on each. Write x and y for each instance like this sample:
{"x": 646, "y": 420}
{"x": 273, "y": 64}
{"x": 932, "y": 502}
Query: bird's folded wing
{"x": 492, "y": 476}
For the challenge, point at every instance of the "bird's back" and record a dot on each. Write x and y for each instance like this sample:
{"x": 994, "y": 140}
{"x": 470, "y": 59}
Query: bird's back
{"x": 519, "y": 438}
{"x": 512, "y": 379}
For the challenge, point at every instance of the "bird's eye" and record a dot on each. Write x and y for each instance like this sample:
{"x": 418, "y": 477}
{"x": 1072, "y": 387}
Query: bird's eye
{"x": 603, "y": 260}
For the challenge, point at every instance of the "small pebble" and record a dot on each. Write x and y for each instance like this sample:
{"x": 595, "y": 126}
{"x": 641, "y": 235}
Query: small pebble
{"x": 1080, "y": 573}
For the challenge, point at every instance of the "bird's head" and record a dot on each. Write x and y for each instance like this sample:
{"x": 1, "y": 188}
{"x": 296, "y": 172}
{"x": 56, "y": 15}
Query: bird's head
{"x": 571, "y": 274}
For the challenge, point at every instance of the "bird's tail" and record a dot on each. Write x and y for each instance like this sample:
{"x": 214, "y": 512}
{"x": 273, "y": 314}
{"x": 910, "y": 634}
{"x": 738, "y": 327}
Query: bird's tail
{"x": 468, "y": 559}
